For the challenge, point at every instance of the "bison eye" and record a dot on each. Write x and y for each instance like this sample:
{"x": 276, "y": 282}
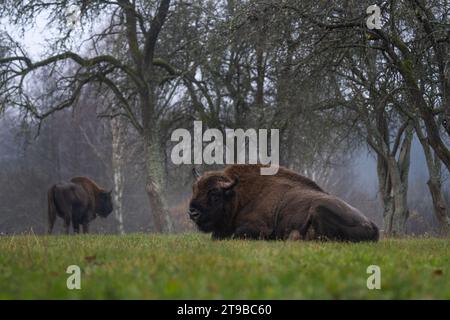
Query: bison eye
{"x": 214, "y": 195}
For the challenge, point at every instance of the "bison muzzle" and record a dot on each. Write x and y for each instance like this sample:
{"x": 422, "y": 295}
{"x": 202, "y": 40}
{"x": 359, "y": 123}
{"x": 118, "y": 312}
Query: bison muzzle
{"x": 240, "y": 203}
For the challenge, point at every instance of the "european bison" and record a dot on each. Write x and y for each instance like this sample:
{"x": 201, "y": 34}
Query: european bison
{"x": 77, "y": 201}
{"x": 240, "y": 203}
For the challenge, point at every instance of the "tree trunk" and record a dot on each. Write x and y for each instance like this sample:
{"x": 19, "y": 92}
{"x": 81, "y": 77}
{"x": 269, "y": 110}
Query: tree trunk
{"x": 440, "y": 206}
{"x": 434, "y": 183}
{"x": 384, "y": 183}
{"x": 393, "y": 185}
{"x": 154, "y": 185}
{"x": 399, "y": 199}
{"x": 388, "y": 213}
{"x": 399, "y": 177}
{"x": 118, "y": 158}
{"x": 393, "y": 192}
{"x": 260, "y": 75}
{"x": 55, "y": 153}
{"x": 154, "y": 165}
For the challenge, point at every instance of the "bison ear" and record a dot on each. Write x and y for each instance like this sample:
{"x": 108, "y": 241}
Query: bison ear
{"x": 229, "y": 186}
{"x": 195, "y": 173}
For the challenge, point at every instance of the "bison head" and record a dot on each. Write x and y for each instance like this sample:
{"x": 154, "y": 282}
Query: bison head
{"x": 211, "y": 203}
{"x": 104, "y": 205}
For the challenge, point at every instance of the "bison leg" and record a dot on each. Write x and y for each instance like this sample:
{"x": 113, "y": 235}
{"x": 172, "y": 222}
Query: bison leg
{"x": 76, "y": 222}
{"x": 335, "y": 221}
{"x": 51, "y": 223}
{"x": 51, "y": 209}
{"x": 79, "y": 217}
{"x": 66, "y": 224}
{"x": 85, "y": 227}
{"x": 76, "y": 227}
{"x": 65, "y": 211}
{"x": 248, "y": 232}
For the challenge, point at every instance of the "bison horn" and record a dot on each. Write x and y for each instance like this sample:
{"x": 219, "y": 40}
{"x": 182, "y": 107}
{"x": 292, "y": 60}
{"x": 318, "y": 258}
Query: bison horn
{"x": 230, "y": 185}
{"x": 195, "y": 173}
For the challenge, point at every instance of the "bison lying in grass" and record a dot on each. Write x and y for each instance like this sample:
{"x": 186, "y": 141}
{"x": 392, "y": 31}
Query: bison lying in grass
{"x": 239, "y": 202}
{"x": 77, "y": 201}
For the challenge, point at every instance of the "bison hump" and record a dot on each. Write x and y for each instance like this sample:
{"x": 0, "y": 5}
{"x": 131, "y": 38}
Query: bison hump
{"x": 284, "y": 175}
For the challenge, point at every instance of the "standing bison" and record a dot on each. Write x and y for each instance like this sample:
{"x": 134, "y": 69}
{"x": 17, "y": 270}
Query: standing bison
{"x": 239, "y": 202}
{"x": 77, "y": 201}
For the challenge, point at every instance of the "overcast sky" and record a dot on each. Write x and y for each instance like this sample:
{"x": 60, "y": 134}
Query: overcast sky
{"x": 34, "y": 38}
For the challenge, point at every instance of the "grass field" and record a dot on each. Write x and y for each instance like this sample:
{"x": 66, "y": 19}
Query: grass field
{"x": 191, "y": 266}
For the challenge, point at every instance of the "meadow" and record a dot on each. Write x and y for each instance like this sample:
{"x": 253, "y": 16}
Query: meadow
{"x": 192, "y": 266}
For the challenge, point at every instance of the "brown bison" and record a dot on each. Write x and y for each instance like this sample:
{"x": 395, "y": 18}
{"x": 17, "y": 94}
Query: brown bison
{"x": 240, "y": 203}
{"x": 77, "y": 201}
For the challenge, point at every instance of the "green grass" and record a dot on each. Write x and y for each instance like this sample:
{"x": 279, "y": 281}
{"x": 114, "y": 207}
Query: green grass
{"x": 191, "y": 266}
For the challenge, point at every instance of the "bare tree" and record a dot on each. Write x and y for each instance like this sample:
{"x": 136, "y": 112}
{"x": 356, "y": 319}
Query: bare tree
{"x": 140, "y": 23}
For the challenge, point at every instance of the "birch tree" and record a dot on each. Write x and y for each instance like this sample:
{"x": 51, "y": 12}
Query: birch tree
{"x": 119, "y": 143}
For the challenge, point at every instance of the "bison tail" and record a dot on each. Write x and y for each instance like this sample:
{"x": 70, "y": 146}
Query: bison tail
{"x": 51, "y": 209}
{"x": 337, "y": 221}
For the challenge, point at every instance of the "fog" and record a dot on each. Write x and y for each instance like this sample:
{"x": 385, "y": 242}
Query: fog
{"x": 97, "y": 91}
